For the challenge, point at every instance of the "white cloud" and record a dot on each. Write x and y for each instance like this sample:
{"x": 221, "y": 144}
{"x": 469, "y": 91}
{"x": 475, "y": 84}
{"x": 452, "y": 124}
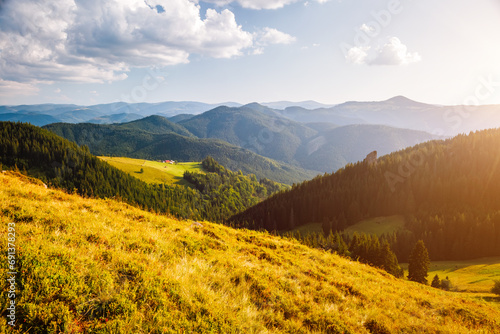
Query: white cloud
{"x": 393, "y": 52}
{"x": 99, "y": 41}
{"x": 273, "y": 36}
{"x": 256, "y": 4}
{"x": 357, "y": 55}
{"x": 10, "y": 89}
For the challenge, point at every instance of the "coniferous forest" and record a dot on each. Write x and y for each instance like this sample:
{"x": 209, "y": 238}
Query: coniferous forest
{"x": 63, "y": 164}
{"x": 447, "y": 190}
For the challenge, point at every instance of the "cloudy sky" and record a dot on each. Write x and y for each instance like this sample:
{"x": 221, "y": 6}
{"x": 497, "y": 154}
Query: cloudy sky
{"x": 100, "y": 51}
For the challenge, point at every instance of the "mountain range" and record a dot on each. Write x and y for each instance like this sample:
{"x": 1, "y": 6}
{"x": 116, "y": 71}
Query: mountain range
{"x": 398, "y": 111}
{"x": 249, "y": 130}
{"x": 299, "y": 142}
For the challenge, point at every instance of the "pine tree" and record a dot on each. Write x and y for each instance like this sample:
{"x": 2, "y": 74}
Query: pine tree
{"x": 389, "y": 261}
{"x": 436, "y": 282}
{"x": 419, "y": 263}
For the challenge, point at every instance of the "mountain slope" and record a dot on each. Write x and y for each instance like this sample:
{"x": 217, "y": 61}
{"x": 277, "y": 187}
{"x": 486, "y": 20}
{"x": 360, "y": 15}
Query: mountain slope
{"x": 333, "y": 148}
{"x": 314, "y": 147}
{"x": 448, "y": 190}
{"x": 157, "y": 125}
{"x": 253, "y": 127}
{"x": 64, "y": 165}
{"x": 132, "y": 141}
{"x": 89, "y": 265}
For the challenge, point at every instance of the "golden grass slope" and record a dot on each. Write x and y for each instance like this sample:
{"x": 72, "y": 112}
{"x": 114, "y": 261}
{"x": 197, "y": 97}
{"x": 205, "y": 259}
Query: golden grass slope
{"x": 99, "y": 266}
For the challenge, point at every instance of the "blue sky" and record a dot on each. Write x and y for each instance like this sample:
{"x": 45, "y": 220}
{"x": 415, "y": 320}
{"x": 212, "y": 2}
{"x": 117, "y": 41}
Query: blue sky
{"x": 89, "y": 51}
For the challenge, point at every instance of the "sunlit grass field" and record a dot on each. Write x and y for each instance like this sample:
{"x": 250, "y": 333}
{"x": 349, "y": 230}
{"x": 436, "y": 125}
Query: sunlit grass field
{"x": 468, "y": 276}
{"x": 154, "y": 171}
{"x": 100, "y": 266}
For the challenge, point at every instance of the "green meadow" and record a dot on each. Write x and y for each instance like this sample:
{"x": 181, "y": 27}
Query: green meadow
{"x": 155, "y": 171}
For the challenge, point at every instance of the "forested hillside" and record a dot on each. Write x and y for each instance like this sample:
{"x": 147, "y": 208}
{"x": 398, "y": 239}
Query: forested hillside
{"x": 63, "y": 164}
{"x": 449, "y": 192}
{"x": 156, "y": 138}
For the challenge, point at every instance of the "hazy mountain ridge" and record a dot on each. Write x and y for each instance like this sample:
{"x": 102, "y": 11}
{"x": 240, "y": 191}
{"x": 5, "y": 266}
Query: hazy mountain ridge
{"x": 402, "y": 112}
{"x": 99, "y": 113}
{"x": 398, "y": 112}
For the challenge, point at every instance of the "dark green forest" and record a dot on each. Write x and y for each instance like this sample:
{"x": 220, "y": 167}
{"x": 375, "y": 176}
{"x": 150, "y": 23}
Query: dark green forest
{"x": 63, "y": 164}
{"x": 449, "y": 192}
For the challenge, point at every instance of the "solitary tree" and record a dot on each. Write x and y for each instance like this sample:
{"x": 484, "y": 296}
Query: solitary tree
{"x": 496, "y": 288}
{"x": 436, "y": 282}
{"x": 419, "y": 263}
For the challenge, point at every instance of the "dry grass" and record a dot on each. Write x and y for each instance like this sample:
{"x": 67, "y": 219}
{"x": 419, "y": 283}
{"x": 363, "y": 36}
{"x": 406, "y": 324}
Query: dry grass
{"x": 99, "y": 266}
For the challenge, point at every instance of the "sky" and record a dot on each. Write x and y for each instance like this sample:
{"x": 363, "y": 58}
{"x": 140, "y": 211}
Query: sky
{"x": 91, "y": 52}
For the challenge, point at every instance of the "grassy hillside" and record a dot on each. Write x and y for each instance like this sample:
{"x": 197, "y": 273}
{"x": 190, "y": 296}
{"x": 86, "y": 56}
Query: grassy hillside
{"x": 99, "y": 266}
{"x": 153, "y": 171}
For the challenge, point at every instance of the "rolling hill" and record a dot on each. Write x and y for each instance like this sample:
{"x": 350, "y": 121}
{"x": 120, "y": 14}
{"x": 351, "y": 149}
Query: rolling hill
{"x": 322, "y": 147}
{"x": 90, "y": 265}
{"x": 156, "y": 138}
{"x": 253, "y": 127}
{"x": 448, "y": 192}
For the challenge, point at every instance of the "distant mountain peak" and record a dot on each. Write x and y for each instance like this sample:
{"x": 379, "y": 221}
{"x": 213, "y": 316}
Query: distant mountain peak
{"x": 253, "y": 105}
{"x": 402, "y": 100}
